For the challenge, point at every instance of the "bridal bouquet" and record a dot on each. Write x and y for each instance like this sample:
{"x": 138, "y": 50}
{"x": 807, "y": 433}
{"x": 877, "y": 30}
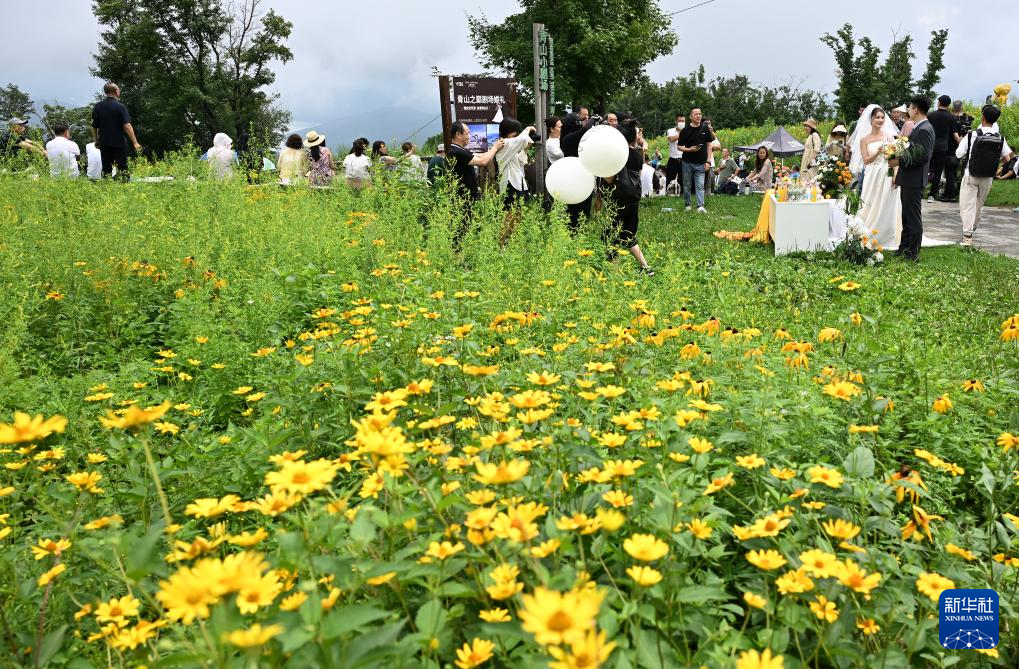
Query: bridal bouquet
{"x": 894, "y": 149}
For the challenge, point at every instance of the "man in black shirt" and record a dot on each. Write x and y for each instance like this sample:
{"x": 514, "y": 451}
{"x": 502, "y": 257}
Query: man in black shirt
{"x": 461, "y": 167}
{"x": 695, "y": 141}
{"x": 963, "y": 124}
{"x": 110, "y": 122}
{"x": 944, "y": 128}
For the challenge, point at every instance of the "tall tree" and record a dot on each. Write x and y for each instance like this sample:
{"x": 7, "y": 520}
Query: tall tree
{"x": 191, "y": 68}
{"x": 14, "y": 102}
{"x": 600, "y": 47}
{"x": 935, "y": 63}
{"x": 897, "y": 72}
{"x": 863, "y": 81}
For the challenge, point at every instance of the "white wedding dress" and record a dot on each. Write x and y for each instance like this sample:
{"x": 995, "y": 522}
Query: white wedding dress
{"x": 881, "y": 210}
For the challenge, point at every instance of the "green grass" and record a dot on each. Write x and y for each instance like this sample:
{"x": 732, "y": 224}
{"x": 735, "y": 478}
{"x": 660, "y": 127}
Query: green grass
{"x": 1004, "y": 194}
{"x": 164, "y": 292}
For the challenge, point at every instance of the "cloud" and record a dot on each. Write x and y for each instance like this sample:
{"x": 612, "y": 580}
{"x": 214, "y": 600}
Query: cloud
{"x": 352, "y": 57}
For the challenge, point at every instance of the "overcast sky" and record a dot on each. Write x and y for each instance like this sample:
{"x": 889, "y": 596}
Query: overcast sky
{"x": 352, "y": 56}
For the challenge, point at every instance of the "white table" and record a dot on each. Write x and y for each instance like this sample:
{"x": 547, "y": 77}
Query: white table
{"x": 800, "y": 226}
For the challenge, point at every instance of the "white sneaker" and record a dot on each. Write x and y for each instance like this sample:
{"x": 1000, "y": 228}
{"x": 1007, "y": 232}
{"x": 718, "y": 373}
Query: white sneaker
{"x": 930, "y": 199}
{"x": 689, "y": 208}
{"x": 701, "y": 210}
{"x": 966, "y": 241}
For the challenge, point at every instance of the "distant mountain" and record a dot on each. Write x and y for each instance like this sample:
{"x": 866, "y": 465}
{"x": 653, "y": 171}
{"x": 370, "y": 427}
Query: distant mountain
{"x": 393, "y": 125}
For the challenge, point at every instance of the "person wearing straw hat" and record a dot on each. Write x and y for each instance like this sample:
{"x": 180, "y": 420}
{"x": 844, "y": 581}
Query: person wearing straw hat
{"x": 812, "y": 148}
{"x": 320, "y": 174}
{"x": 836, "y": 145}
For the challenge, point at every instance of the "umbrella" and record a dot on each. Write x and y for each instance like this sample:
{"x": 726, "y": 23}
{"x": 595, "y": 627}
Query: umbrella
{"x": 780, "y": 142}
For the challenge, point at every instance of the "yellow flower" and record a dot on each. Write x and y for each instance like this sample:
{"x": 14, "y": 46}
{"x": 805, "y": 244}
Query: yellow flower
{"x": 840, "y": 529}
{"x": 818, "y": 563}
{"x": 783, "y": 474}
{"x": 699, "y": 528}
{"x": 293, "y": 602}
{"x": 491, "y": 473}
{"x": 867, "y": 626}
{"x": 26, "y": 428}
{"x": 752, "y": 461}
{"x": 793, "y": 582}
{"x": 645, "y": 547}
{"x": 256, "y": 635}
{"x": 718, "y": 484}
{"x": 943, "y": 404}
{"x": 6, "y": 490}
{"x": 47, "y": 547}
{"x": 645, "y": 576}
{"x": 48, "y": 576}
{"x": 849, "y": 286}
{"x": 1008, "y": 441}
{"x": 474, "y": 654}
{"x": 105, "y": 521}
{"x": 86, "y": 481}
{"x": 754, "y": 600}
{"x": 972, "y": 385}
{"x": 299, "y": 477}
{"x": 587, "y": 652}
{"x": 700, "y": 445}
{"x": 381, "y": 579}
{"x": 824, "y": 609}
{"x": 829, "y": 334}
{"x": 495, "y": 616}
{"x": 766, "y": 559}
{"x": 825, "y": 475}
{"x": 842, "y": 390}
{"x": 135, "y": 417}
{"x": 933, "y": 584}
{"x": 961, "y": 552}
{"x": 444, "y": 550}
{"x": 117, "y": 610}
{"x": 618, "y": 498}
{"x": 854, "y": 577}
{"x": 555, "y": 618}
{"x": 751, "y": 659}
{"x": 545, "y": 378}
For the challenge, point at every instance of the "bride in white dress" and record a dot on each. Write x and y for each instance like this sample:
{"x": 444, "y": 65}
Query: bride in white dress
{"x": 881, "y": 209}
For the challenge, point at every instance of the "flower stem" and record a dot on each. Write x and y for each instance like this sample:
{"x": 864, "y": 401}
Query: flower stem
{"x": 159, "y": 486}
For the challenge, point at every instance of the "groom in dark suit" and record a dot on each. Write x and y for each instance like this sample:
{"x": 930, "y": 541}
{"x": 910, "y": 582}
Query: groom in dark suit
{"x": 912, "y": 177}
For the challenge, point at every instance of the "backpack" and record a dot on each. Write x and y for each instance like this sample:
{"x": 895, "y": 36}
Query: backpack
{"x": 984, "y": 153}
{"x": 627, "y": 186}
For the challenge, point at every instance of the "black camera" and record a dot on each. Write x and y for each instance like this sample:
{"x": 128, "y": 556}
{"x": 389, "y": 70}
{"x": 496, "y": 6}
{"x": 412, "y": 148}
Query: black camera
{"x": 535, "y": 137}
{"x": 596, "y": 119}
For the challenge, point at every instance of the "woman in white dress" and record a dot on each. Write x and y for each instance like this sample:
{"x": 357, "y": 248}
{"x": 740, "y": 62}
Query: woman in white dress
{"x": 881, "y": 210}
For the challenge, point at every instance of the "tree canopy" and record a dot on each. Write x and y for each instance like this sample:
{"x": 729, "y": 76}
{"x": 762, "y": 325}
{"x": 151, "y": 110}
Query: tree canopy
{"x": 863, "y": 79}
{"x": 600, "y": 47}
{"x": 730, "y": 102}
{"x": 191, "y": 68}
{"x": 14, "y": 102}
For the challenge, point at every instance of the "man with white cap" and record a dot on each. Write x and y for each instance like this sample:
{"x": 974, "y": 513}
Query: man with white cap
{"x": 903, "y": 122}
{"x": 14, "y": 140}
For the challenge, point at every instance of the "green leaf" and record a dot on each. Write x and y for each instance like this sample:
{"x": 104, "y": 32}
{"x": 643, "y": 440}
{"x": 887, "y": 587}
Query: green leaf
{"x": 349, "y": 618}
{"x": 987, "y": 480}
{"x": 50, "y": 645}
{"x": 860, "y": 463}
{"x": 144, "y": 554}
{"x": 698, "y": 594}
{"x": 362, "y": 531}
{"x": 430, "y": 618}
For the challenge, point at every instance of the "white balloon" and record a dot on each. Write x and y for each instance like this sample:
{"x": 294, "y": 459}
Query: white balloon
{"x": 568, "y": 181}
{"x": 604, "y": 151}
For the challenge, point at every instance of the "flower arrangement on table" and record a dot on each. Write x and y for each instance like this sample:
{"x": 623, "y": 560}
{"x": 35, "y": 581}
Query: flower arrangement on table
{"x": 833, "y": 176}
{"x": 894, "y": 149}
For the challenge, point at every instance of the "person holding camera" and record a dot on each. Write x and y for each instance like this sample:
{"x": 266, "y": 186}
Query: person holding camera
{"x": 694, "y": 141}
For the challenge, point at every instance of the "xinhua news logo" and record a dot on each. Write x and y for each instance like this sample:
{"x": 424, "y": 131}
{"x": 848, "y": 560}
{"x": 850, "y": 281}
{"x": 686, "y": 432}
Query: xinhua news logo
{"x": 969, "y": 619}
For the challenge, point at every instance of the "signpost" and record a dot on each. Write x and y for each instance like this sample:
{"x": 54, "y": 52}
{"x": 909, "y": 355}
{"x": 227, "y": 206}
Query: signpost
{"x": 544, "y": 91}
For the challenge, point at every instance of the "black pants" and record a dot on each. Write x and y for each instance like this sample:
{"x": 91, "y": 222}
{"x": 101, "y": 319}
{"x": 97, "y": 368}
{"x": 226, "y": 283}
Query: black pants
{"x": 912, "y": 221}
{"x": 938, "y": 163}
{"x": 114, "y": 155}
{"x": 575, "y": 210}
{"x": 622, "y": 231}
{"x": 673, "y": 172}
{"x": 951, "y": 177}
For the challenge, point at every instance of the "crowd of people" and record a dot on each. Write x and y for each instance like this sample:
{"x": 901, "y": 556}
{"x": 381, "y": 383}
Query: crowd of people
{"x": 959, "y": 160}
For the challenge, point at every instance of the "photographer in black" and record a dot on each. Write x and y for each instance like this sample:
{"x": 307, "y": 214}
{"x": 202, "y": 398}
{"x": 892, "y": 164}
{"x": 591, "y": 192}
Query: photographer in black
{"x": 573, "y": 131}
{"x": 624, "y": 192}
